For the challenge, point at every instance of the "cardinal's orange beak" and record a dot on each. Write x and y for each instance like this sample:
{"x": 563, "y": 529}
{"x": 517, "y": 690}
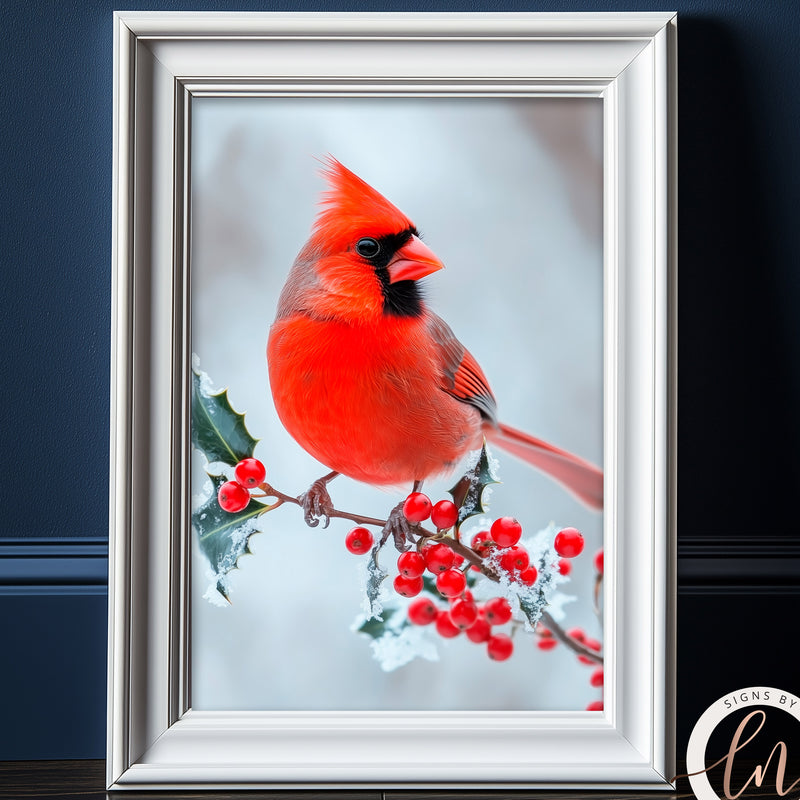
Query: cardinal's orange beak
{"x": 413, "y": 261}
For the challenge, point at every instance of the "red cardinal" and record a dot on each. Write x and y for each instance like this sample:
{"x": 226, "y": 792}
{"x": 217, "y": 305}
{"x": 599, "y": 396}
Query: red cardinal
{"x": 365, "y": 376}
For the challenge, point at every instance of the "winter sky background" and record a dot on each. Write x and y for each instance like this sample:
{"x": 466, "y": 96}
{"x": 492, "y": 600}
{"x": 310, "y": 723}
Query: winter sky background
{"x": 508, "y": 193}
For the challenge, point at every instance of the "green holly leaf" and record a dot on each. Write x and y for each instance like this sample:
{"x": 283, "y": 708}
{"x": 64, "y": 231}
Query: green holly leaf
{"x": 467, "y": 494}
{"x": 376, "y": 627}
{"x": 218, "y": 431}
{"x": 225, "y": 537}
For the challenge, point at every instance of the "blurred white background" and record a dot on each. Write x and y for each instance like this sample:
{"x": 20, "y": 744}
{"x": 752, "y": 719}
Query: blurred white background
{"x": 509, "y": 195}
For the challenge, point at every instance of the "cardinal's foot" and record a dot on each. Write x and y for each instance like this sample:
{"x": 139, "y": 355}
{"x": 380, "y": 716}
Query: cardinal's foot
{"x": 399, "y": 528}
{"x": 317, "y": 503}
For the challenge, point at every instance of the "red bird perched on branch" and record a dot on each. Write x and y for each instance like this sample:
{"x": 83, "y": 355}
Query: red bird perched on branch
{"x": 365, "y": 377}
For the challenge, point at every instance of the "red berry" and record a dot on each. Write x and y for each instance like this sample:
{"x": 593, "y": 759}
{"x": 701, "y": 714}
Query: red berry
{"x": 438, "y": 558}
{"x": 515, "y": 559}
{"x": 232, "y": 497}
{"x": 482, "y": 543}
{"x": 422, "y": 611}
{"x": 479, "y": 631}
{"x": 444, "y": 625}
{"x": 596, "y": 679}
{"x": 569, "y": 543}
{"x": 506, "y": 531}
{"x": 497, "y": 611}
{"x": 463, "y": 613}
{"x": 592, "y": 644}
{"x": 564, "y": 566}
{"x": 250, "y": 473}
{"x": 417, "y": 507}
{"x": 444, "y": 514}
{"x": 411, "y": 564}
{"x": 499, "y": 647}
{"x": 577, "y": 634}
{"x": 458, "y": 559}
{"x": 595, "y": 705}
{"x": 408, "y": 587}
{"x": 546, "y": 644}
{"x": 528, "y": 576}
{"x": 598, "y": 561}
{"x": 359, "y": 541}
{"x": 451, "y": 582}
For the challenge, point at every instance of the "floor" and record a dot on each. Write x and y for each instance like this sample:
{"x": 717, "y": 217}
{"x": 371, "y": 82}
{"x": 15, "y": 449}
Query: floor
{"x": 84, "y": 780}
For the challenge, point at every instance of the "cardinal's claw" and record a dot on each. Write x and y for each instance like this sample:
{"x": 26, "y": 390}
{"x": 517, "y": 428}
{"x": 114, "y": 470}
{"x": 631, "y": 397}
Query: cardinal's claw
{"x": 399, "y": 528}
{"x": 317, "y": 504}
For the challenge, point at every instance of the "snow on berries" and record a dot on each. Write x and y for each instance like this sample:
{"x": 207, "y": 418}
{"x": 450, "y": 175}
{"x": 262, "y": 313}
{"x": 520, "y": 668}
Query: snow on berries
{"x": 516, "y": 579}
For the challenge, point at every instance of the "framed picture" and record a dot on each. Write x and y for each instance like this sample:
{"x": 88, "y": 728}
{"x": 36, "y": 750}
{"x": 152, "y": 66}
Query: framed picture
{"x": 393, "y": 401}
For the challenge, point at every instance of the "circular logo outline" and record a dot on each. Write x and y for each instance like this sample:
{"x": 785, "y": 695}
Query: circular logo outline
{"x": 714, "y": 714}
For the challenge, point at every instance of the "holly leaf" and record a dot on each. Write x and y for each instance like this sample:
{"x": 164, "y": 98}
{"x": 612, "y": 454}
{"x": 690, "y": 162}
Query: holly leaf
{"x": 218, "y": 431}
{"x": 535, "y": 599}
{"x": 224, "y": 537}
{"x": 532, "y": 605}
{"x": 376, "y": 628}
{"x": 467, "y": 494}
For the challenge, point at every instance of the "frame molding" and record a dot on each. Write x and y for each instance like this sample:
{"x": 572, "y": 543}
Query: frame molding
{"x": 162, "y": 61}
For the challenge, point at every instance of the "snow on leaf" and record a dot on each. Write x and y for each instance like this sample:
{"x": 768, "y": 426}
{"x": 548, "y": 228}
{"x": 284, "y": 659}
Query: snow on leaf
{"x": 375, "y": 575}
{"x": 224, "y": 537}
{"x": 396, "y": 648}
{"x": 218, "y": 431}
{"x": 375, "y": 627}
{"x": 532, "y": 601}
{"x": 468, "y": 493}
{"x": 394, "y": 641}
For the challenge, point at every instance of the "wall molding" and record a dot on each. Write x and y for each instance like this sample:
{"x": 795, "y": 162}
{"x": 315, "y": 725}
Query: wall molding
{"x": 738, "y": 565}
{"x": 50, "y": 566}
{"x": 706, "y": 565}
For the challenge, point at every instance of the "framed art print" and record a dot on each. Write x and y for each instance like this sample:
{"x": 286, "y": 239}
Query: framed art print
{"x": 393, "y": 401}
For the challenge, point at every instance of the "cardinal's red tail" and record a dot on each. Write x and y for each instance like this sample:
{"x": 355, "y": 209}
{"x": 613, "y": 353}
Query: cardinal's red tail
{"x": 583, "y": 479}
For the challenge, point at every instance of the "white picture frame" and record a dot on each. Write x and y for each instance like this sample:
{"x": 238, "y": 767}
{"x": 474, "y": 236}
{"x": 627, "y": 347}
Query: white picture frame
{"x": 164, "y": 60}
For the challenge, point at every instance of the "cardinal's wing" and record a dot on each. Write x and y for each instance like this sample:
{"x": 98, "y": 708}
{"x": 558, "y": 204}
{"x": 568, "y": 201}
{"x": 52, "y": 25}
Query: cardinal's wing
{"x": 461, "y": 375}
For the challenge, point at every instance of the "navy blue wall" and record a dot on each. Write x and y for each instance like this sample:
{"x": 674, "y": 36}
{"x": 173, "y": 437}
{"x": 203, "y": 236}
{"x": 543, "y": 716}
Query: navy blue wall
{"x": 739, "y": 346}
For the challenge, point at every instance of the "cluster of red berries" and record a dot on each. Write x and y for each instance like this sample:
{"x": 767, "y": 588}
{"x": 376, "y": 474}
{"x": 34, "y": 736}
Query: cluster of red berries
{"x": 464, "y": 614}
{"x": 234, "y": 496}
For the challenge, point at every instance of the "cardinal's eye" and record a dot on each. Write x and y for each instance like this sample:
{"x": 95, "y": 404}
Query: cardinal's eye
{"x": 368, "y": 247}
